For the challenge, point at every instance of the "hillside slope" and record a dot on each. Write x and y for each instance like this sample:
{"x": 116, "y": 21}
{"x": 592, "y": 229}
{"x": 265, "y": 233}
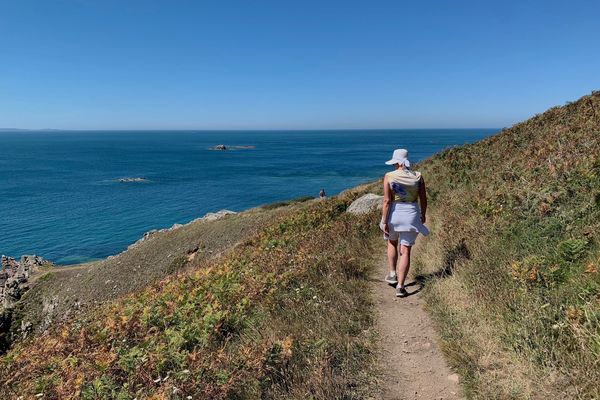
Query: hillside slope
{"x": 513, "y": 258}
{"x": 285, "y": 314}
{"x": 63, "y": 292}
{"x": 512, "y": 281}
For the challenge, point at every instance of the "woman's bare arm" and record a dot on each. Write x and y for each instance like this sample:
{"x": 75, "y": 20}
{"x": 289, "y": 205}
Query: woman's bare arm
{"x": 388, "y": 197}
{"x": 423, "y": 200}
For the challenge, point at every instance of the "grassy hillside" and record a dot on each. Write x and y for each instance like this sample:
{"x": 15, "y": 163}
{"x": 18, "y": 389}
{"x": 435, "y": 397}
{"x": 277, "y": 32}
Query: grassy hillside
{"x": 514, "y": 256}
{"x": 285, "y": 314}
{"x": 511, "y": 271}
{"x": 72, "y": 290}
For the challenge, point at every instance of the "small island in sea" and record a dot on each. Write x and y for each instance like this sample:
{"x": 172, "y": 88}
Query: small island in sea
{"x": 132, "y": 179}
{"x": 223, "y": 147}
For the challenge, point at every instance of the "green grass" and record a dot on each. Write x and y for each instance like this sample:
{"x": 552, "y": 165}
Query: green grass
{"x": 286, "y": 314}
{"x": 512, "y": 271}
{"x": 519, "y": 310}
{"x": 279, "y": 204}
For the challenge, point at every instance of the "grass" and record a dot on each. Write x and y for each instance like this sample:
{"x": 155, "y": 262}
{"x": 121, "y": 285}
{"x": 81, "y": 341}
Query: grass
{"x": 279, "y": 204}
{"x": 513, "y": 258}
{"x": 76, "y": 288}
{"x": 284, "y": 315}
{"x": 512, "y": 271}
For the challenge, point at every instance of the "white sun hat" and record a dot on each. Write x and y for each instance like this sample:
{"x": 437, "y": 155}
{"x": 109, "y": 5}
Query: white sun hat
{"x": 400, "y": 156}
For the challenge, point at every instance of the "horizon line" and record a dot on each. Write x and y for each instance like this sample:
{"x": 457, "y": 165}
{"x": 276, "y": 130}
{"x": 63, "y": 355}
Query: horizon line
{"x": 231, "y": 130}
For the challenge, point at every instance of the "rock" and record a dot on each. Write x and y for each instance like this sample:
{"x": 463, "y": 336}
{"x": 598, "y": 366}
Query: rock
{"x": 217, "y": 215}
{"x": 3, "y": 278}
{"x": 30, "y": 264}
{"x": 454, "y": 378}
{"x": 366, "y": 203}
{"x": 134, "y": 179}
{"x": 14, "y": 277}
{"x": 14, "y": 282}
{"x": 10, "y": 265}
{"x": 223, "y": 147}
{"x": 26, "y": 328}
{"x": 48, "y": 308}
{"x": 150, "y": 233}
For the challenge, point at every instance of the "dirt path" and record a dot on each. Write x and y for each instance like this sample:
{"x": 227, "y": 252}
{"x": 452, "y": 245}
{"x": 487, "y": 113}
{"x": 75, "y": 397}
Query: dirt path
{"x": 412, "y": 364}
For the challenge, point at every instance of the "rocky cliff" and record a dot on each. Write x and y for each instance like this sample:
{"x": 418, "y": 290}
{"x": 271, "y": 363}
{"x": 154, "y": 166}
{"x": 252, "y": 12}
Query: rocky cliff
{"x": 15, "y": 280}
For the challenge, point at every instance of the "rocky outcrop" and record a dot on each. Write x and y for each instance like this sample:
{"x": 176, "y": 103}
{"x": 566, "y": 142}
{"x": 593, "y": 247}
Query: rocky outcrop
{"x": 215, "y": 215}
{"x": 15, "y": 277}
{"x": 132, "y": 179}
{"x": 208, "y": 217}
{"x": 223, "y": 147}
{"x": 15, "y": 280}
{"x": 366, "y": 203}
{"x": 31, "y": 264}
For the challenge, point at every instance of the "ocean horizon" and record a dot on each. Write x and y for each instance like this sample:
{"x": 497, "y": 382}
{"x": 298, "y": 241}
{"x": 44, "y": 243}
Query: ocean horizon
{"x": 77, "y": 196}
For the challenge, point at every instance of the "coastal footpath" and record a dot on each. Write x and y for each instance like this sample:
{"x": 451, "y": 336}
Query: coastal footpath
{"x": 278, "y": 302}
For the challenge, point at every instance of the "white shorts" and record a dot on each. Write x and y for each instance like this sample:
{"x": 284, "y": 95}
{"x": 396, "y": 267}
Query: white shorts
{"x": 406, "y": 238}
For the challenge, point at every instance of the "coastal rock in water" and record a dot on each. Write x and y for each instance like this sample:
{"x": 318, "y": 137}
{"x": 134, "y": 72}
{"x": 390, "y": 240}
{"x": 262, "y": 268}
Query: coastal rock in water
{"x": 135, "y": 179}
{"x": 223, "y": 147}
{"x": 366, "y": 203}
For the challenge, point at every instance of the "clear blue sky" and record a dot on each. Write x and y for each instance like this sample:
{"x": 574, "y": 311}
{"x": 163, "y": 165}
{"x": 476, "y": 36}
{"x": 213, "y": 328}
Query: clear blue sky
{"x": 145, "y": 64}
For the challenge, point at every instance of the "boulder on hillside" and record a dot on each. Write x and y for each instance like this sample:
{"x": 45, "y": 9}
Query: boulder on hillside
{"x": 216, "y": 215}
{"x": 366, "y": 203}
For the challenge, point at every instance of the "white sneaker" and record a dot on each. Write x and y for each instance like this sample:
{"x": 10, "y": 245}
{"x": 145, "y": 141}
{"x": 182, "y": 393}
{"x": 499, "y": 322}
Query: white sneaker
{"x": 391, "y": 278}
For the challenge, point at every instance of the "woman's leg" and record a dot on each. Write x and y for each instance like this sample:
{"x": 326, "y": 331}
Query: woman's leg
{"x": 404, "y": 263}
{"x": 392, "y": 253}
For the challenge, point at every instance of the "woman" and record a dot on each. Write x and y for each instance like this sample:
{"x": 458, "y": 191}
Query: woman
{"x": 402, "y": 218}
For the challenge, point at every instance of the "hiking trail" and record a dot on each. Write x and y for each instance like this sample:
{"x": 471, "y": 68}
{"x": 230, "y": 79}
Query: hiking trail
{"x": 412, "y": 365}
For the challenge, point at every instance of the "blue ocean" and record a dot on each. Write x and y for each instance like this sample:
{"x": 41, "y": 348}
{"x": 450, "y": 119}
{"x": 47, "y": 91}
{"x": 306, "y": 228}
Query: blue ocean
{"x": 66, "y": 196}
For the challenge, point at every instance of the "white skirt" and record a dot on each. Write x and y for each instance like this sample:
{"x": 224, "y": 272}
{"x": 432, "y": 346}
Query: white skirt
{"x": 406, "y": 217}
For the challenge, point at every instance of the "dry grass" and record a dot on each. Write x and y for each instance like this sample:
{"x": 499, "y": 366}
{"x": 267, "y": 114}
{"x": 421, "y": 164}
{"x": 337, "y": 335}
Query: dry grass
{"x": 514, "y": 255}
{"x": 72, "y": 290}
{"x": 286, "y": 314}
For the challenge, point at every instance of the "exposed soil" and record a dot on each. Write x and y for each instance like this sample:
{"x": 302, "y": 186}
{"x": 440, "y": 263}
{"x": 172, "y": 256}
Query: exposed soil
{"x": 412, "y": 366}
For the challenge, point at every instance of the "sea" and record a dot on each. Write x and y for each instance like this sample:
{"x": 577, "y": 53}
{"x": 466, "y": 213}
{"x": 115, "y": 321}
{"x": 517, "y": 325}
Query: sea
{"x": 74, "y": 197}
